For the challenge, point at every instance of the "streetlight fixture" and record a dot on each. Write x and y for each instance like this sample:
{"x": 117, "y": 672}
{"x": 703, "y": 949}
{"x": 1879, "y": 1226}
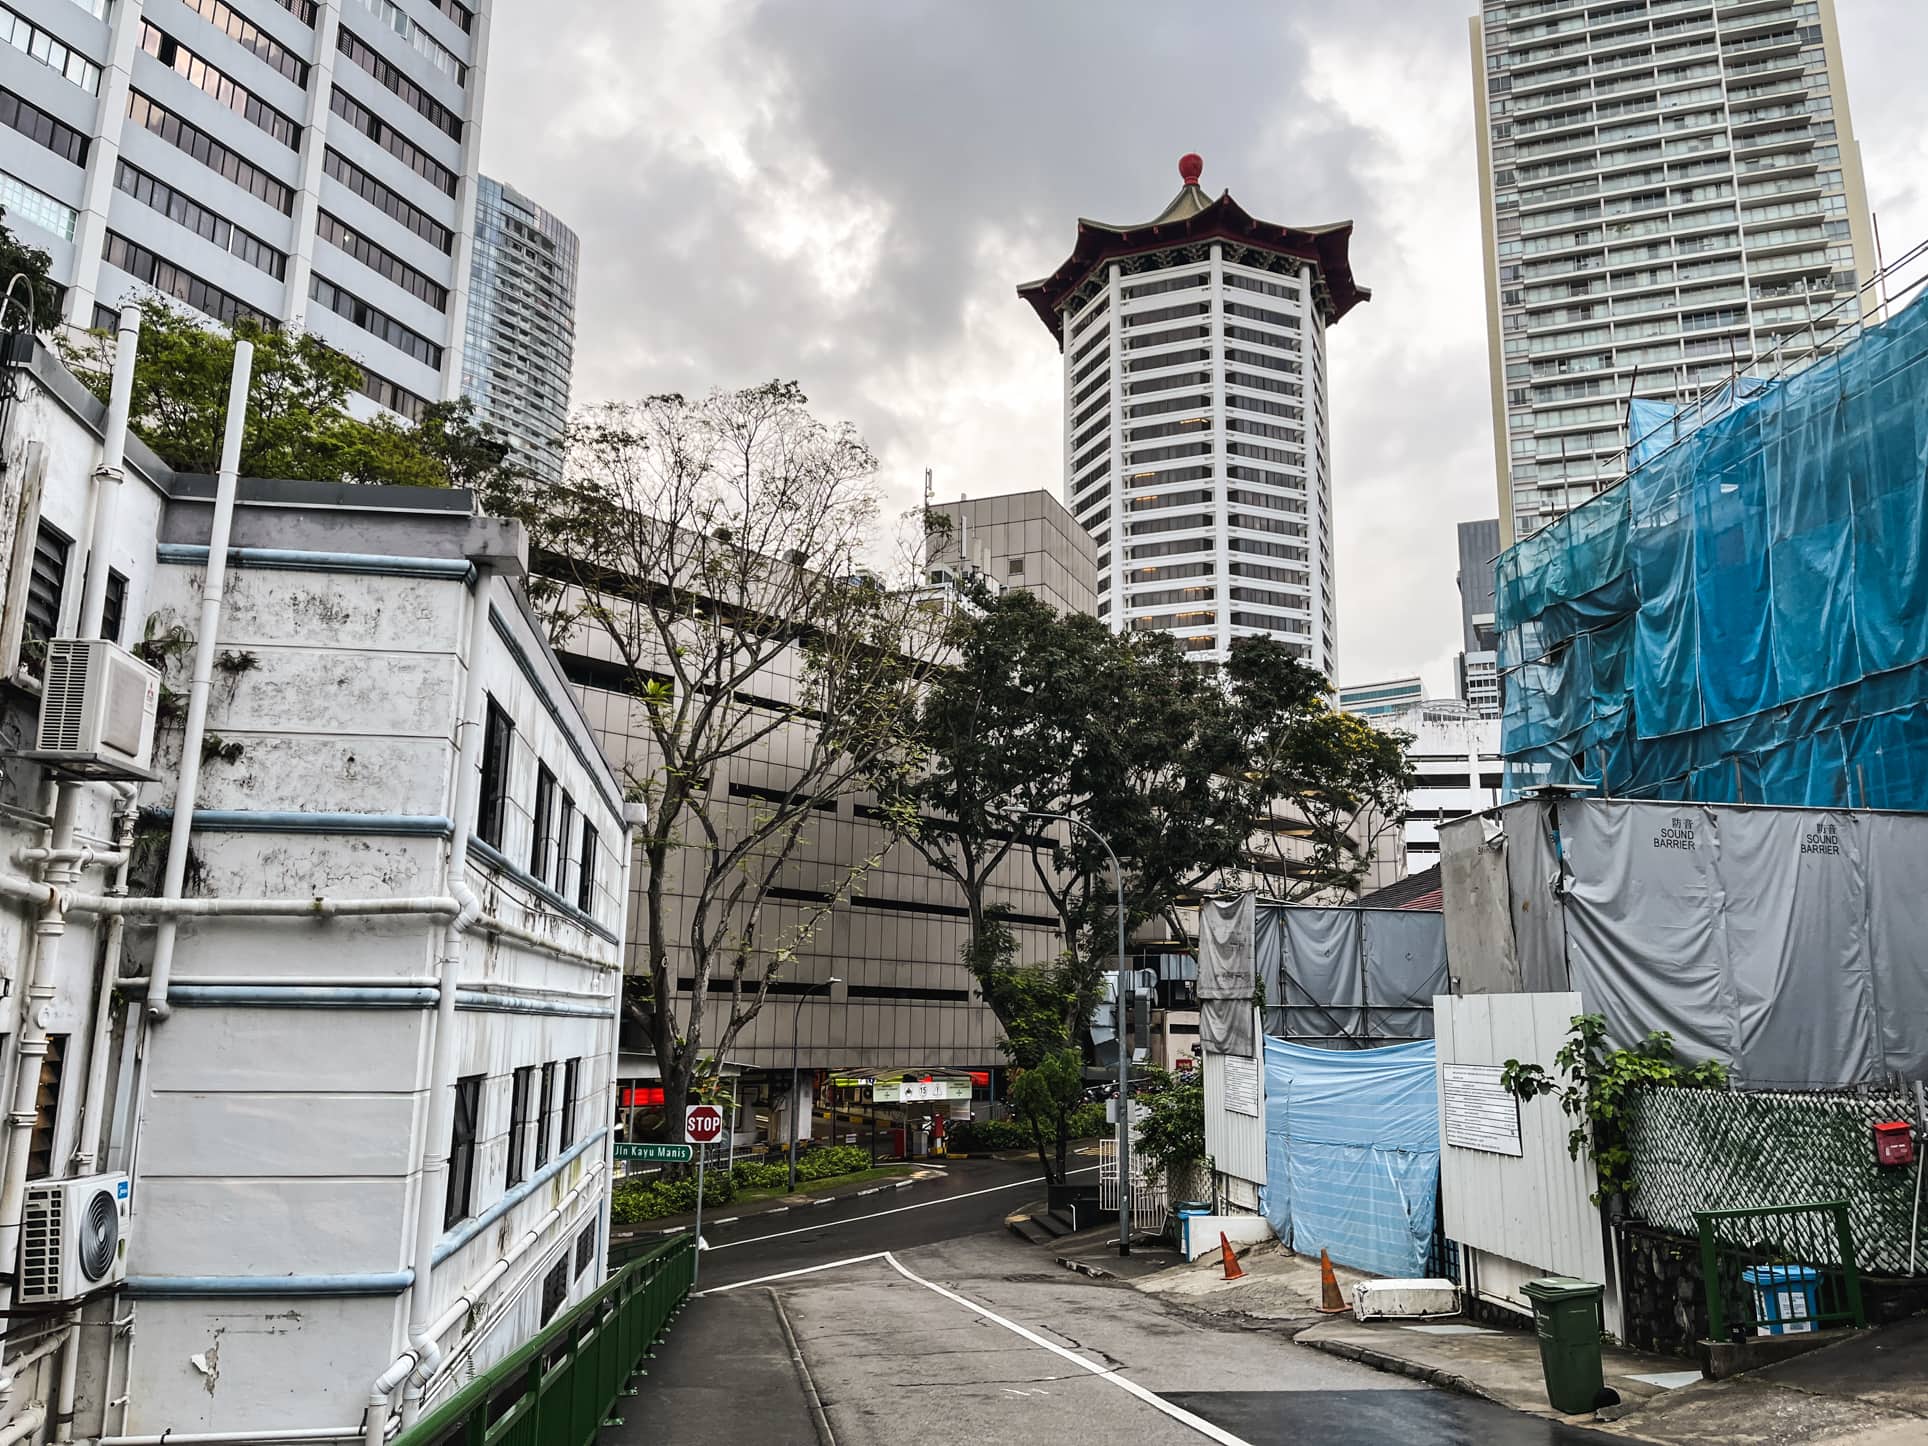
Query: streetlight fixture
{"x": 1122, "y": 992}
{"x": 796, "y": 1019}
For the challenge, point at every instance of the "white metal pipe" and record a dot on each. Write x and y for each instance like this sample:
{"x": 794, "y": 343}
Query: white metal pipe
{"x": 206, "y": 644}
{"x": 23, "y": 1425}
{"x": 39, "y": 1351}
{"x": 291, "y": 981}
{"x": 69, "y": 1383}
{"x": 94, "y": 1102}
{"x": 83, "y": 857}
{"x": 490, "y": 924}
{"x": 430, "y": 1199}
{"x": 31, "y": 1048}
{"x": 112, "y": 472}
{"x": 73, "y": 902}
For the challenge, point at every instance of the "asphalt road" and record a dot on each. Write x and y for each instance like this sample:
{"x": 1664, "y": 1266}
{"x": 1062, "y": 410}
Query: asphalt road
{"x": 914, "y": 1317}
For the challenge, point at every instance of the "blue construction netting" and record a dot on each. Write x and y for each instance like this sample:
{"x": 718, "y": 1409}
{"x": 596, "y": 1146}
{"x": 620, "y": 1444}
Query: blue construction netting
{"x": 1745, "y": 617}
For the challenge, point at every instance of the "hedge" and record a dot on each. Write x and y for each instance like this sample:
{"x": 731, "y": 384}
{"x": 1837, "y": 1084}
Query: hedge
{"x": 970, "y": 1137}
{"x": 633, "y": 1201}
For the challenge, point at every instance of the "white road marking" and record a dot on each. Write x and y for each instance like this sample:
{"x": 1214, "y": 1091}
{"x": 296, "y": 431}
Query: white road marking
{"x": 1104, "y": 1373}
{"x": 790, "y": 1274}
{"x": 898, "y": 1210}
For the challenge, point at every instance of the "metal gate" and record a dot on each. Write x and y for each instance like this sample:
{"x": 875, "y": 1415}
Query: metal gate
{"x": 1149, "y": 1206}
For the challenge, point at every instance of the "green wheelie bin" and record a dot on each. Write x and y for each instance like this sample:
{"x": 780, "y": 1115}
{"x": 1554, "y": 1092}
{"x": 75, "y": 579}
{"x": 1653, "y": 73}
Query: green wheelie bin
{"x": 1566, "y": 1317}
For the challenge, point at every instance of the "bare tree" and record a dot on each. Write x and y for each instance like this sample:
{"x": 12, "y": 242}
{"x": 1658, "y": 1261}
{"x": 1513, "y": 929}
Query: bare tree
{"x": 713, "y": 555}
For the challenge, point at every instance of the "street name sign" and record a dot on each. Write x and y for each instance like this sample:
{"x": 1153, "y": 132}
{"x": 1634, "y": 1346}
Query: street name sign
{"x": 662, "y": 1154}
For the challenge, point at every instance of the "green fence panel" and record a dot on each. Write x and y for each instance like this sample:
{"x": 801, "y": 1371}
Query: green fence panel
{"x": 1779, "y": 1269}
{"x": 557, "y": 1389}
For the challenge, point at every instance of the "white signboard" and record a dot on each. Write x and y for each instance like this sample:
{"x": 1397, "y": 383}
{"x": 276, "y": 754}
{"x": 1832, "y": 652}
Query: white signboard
{"x": 1241, "y": 1084}
{"x": 913, "y": 1091}
{"x": 1481, "y": 1113}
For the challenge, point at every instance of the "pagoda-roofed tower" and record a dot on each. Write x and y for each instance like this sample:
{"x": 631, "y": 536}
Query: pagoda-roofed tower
{"x": 1196, "y": 439}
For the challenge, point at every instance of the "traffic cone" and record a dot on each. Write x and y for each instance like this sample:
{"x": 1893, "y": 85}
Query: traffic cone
{"x": 1330, "y": 1301}
{"x": 1233, "y": 1270}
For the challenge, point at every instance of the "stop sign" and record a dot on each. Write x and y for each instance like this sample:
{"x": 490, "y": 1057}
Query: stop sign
{"x": 702, "y": 1124}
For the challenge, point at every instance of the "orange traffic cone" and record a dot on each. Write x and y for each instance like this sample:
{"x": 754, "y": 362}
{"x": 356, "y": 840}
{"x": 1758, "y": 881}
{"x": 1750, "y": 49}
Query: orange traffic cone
{"x": 1330, "y": 1301}
{"x": 1232, "y": 1268}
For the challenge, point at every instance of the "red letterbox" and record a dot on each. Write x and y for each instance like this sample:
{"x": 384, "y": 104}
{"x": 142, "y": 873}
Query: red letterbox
{"x": 1894, "y": 1143}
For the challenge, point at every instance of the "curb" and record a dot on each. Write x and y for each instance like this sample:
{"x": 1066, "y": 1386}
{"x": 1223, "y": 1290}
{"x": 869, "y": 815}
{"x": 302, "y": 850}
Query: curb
{"x": 1395, "y": 1365}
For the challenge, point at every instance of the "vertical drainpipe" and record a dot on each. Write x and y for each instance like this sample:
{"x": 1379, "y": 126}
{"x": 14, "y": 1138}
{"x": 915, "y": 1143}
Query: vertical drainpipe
{"x": 111, "y": 473}
{"x": 213, "y": 588}
{"x": 441, "y": 1120}
{"x": 635, "y": 816}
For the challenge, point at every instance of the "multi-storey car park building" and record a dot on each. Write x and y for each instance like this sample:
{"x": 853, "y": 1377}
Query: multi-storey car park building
{"x": 1671, "y": 196}
{"x": 521, "y": 325}
{"x": 1197, "y": 444}
{"x": 306, "y": 162}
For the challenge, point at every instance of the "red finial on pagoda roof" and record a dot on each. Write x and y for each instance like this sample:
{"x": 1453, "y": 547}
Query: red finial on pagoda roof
{"x": 1191, "y": 166}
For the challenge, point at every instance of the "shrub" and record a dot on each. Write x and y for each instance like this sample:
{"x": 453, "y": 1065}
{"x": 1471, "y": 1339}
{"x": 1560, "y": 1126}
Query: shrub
{"x": 821, "y": 1164}
{"x": 971, "y": 1137}
{"x": 751, "y": 1176}
{"x": 631, "y": 1201}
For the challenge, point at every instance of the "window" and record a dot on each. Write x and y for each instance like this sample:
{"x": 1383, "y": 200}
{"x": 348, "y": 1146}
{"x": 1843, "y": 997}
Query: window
{"x": 468, "y": 1110}
{"x": 565, "y": 831}
{"x": 243, "y": 32}
{"x": 30, "y": 40}
{"x": 219, "y": 84}
{"x": 571, "y": 1080}
{"x": 391, "y": 140}
{"x": 586, "y": 870}
{"x": 46, "y": 1109}
{"x": 45, "y": 585}
{"x": 381, "y": 261}
{"x": 493, "y": 807}
{"x": 521, "y": 1104}
{"x": 544, "y": 846}
{"x": 544, "y": 1131}
{"x": 391, "y": 76}
{"x": 385, "y": 393}
{"x": 180, "y": 208}
{"x": 555, "y": 1289}
{"x": 585, "y": 1247}
{"x": 164, "y": 276}
{"x": 116, "y": 608}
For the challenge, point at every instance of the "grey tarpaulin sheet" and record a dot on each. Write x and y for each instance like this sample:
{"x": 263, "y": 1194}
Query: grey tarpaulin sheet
{"x": 1349, "y": 975}
{"x": 1225, "y": 976}
{"x": 1791, "y": 944}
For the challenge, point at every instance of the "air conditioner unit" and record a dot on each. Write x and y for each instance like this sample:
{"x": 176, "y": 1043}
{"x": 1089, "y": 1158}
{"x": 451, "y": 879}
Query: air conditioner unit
{"x": 97, "y": 708}
{"x": 73, "y": 1238}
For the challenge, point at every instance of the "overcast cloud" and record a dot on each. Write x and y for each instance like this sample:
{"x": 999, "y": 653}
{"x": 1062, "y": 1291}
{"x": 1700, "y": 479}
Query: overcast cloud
{"x": 847, "y": 192}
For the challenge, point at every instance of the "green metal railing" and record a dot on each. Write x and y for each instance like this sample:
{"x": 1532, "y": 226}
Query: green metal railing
{"x": 1779, "y": 1269}
{"x": 557, "y": 1390}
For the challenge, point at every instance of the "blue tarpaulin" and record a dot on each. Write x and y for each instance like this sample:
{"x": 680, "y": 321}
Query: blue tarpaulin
{"x": 1352, "y": 1153}
{"x": 1745, "y": 618}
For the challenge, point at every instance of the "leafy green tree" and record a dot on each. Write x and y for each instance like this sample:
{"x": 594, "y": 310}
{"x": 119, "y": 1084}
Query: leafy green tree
{"x": 298, "y": 422}
{"x": 37, "y": 296}
{"x": 1172, "y": 1133}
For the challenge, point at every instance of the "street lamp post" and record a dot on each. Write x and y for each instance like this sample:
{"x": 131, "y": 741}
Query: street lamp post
{"x": 1124, "y": 1058}
{"x": 796, "y": 1019}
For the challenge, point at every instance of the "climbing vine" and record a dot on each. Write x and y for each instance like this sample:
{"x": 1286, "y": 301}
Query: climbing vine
{"x": 1598, "y": 1089}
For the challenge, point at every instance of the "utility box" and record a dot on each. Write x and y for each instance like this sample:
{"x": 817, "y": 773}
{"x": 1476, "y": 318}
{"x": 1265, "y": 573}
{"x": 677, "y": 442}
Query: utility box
{"x": 1894, "y": 1143}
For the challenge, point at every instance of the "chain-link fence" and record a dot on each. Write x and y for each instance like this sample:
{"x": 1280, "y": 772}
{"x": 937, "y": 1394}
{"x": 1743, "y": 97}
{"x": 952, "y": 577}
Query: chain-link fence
{"x": 1700, "y": 1150}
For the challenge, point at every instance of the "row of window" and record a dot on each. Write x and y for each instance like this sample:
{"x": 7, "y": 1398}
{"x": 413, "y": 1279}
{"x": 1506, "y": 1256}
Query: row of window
{"x": 385, "y": 200}
{"x": 187, "y": 212}
{"x": 375, "y": 321}
{"x": 380, "y": 260}
{"x": 426, "y": 45}
{"x": 29, "y": 39}
{"x": 23, "y": 202}
{"x": 36, "y": 125}
{"x": 541, "y": 1126}
{"x": 152, "y": 269}
{"x": 557, "y": 829}
{"x": 197, "y": 143}
{"x": 395, "y": 397}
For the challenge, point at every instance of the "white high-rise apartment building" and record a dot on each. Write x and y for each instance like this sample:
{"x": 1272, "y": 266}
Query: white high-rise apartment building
{"x": 1671, "y": 196}
{"x": 308, "y": 162}
{"x": 1196, "y": 436}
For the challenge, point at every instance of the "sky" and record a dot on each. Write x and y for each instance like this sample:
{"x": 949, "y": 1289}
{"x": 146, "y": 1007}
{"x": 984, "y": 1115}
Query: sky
{"x": 847, "y": 193}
